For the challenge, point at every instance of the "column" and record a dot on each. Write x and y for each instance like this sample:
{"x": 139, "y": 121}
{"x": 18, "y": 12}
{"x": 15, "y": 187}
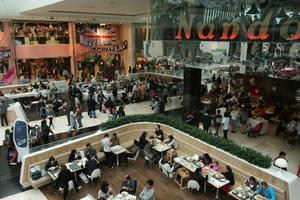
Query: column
{"x": 191, "y": 91}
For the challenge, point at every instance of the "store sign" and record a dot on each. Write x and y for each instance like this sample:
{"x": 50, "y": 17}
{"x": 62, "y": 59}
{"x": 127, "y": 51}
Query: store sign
{"x": 114, "y": 49}
{"x": 5, "y": 53}
{"x": 258, "y": 30}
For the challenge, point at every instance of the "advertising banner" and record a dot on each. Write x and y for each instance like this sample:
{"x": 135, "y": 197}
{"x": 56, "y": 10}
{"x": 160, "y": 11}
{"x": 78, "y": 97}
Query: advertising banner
{"x": 20, "y": 135}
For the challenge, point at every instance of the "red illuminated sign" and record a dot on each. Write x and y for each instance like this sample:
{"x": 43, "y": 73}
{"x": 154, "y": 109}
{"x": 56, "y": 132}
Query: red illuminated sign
{"x": 258, "y": 30}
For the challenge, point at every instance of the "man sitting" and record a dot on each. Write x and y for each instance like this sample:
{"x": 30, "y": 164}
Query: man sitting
{"x": 132, "y": 152}
{"x": 90, "y": 151}
{"x": 90, "y": 165}
{"x": 128, "y": 185}
{"x": 148, "y": 192}
{"x": 267, "y": 191}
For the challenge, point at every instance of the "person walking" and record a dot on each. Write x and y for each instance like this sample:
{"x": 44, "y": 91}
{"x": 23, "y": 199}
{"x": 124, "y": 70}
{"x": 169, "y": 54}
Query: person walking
{"x": 50, "y": 114}
{"x": 78, "y": 113}
{"x": 3, "y": 113}
{"x": 225, "y": 124}
{"x": 45, "y": 131}
{"x": 91, "y": 105}
{"x": 73, "y": 124}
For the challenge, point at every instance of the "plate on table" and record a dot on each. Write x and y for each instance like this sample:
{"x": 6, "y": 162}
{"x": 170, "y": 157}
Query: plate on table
{"x": 190, "y": 159}
{"x": 219, "y": 176}
{"x": 258, "y": 197}
{"x": 200, "y": 164}
{"x": 124, "y": 194}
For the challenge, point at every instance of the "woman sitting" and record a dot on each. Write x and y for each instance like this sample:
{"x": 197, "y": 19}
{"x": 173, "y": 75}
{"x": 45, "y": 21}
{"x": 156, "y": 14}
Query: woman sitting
{"x": 230, "y": 177}
{"x": 171, "y": 142}
{"x": 206, "y": 159}
{"x": 105, "y": 191}
{"x": 62, "y": 181}
{"x": 252, "y": 183}
{"x": 143, "y": 141}
{"x": 74, "y": 156}
{"x": 51, "y": 164}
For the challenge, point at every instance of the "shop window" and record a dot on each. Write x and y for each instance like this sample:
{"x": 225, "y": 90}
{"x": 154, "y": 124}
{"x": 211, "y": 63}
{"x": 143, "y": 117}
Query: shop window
{"x": 37, "y": 33}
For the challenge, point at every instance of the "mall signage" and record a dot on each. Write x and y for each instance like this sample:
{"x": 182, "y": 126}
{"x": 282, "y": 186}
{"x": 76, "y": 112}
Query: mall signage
{"x": 5, "y": 53}
{"x": 113, "y": 49}
{"x": 259, "y": 30}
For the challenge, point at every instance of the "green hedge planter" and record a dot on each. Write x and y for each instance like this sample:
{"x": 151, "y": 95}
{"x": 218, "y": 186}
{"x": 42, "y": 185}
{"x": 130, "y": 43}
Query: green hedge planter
{"x": 245, "y": 153}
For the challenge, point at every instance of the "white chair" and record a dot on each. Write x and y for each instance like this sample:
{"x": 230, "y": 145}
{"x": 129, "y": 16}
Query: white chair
{"x": 168, "y": 170}
{"x": 159, "y": 163}
{"x": 194, "y": 185}
{"x": 135, "y": 156}
{"x": 95, "y": 174}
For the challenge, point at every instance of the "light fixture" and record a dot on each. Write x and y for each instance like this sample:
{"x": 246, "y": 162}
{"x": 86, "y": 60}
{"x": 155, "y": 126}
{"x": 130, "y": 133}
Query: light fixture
{"x": 282, "y": 14}
{"x": 253, "y": 10}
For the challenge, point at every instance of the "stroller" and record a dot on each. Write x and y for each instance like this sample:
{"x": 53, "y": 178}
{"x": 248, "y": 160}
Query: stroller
{"x": 35, "y": 136}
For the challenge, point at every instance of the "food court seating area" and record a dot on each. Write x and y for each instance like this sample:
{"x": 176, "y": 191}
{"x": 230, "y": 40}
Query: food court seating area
{"x": 187, "y": 145}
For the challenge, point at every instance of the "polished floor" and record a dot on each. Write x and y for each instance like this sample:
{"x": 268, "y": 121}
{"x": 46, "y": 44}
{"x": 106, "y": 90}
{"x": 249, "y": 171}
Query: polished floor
{"x": 165, "y": 188}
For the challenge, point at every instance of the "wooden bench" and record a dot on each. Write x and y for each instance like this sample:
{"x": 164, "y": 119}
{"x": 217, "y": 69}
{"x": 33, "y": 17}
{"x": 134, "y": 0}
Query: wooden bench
{"x": 63, "y": 158}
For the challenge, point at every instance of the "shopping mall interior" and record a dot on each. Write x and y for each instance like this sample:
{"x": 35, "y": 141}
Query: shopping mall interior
{"x": 149, "y": 99}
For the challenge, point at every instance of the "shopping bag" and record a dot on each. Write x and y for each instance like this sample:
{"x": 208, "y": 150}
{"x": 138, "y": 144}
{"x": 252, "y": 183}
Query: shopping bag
{"x": 84, "y": 178}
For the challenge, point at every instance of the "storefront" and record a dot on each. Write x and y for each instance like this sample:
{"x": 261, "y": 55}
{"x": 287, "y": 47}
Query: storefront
{"x": 35, "y": 50}
{"x": 257, "y": 38}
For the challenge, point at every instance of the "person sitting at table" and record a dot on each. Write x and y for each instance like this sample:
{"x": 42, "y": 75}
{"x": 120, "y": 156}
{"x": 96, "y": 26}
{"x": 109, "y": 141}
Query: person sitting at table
{"x": 159, "y": 133}
{"x": 266, "y": 191}
{"x": 148, "y": 193}
{"x": 197, "y": 176}
{"x": 62, "y": 181}
{"x": 51, "y": 164}
{"x": 114, "y": 140}
{"x": 105, "y": 191}
{"x": 214, "y": 166}
{"x": 74, "y": 156}
{"x": 171, "y": 142}
{"x": 252, "y": 183}
{"x": 90, "y": 165}
{"x": 90, "y": 151}
{"x": 230, "y": 177}
{"x": 132, "y": 152}
{"x": 128, "y": 185}
{"x": 255, "y": 131}
{"x": 206, "y": 159}
{"x": 142, "y": 140}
